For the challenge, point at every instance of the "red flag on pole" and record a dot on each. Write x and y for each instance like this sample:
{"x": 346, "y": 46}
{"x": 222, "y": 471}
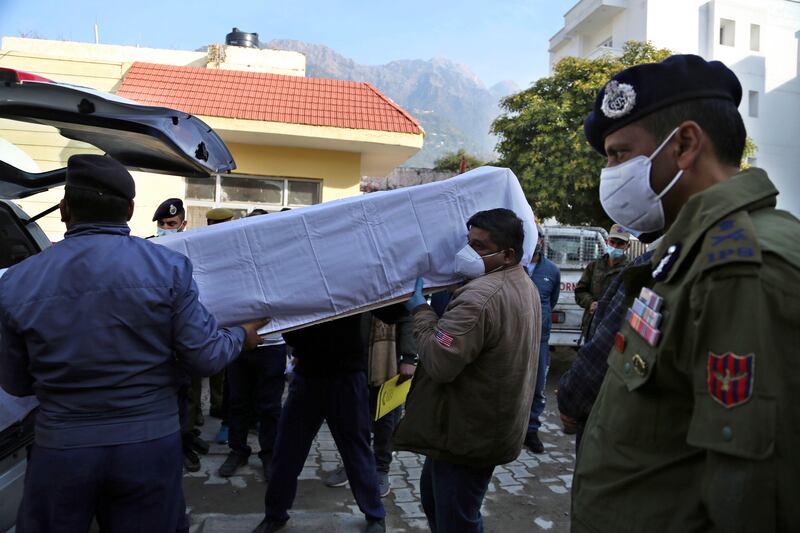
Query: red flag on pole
{"x": 463, "y": 166}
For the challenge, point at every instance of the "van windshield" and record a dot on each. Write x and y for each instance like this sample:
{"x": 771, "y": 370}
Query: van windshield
{"x": 573, "y": 249}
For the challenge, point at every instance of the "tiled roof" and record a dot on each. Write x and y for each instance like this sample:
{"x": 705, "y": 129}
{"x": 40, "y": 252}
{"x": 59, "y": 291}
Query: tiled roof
{"x": 266, "y": 97}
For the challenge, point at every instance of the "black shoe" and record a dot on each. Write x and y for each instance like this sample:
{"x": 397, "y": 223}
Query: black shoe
{"x": 533, "y": 443}
{"x": 231, "y": 464}
{"x": 268, "y": 526}
{"x": 375, "y": 526}
{"x": 191, "y": 462}
{"x": 197, "y": 444}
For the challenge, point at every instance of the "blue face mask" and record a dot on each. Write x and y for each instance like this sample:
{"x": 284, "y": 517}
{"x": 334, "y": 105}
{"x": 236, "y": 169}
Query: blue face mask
{"x": 614, "y": 253}
{"x": 160, "y": 232}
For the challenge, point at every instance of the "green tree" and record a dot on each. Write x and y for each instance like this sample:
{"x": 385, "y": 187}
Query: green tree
{"x": 451, "y": 161}
{"x": 750, "y": 150}
{"x": 542, "y": 141}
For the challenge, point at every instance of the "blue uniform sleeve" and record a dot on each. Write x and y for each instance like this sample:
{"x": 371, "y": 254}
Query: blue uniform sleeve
{"x": 200, "y": 344}
{"x": 556, "y": 289}
{"x": 15, "y": 378}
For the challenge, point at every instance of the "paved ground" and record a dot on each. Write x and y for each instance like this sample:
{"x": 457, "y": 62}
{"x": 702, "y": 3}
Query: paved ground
{"x": 530, "y": 494}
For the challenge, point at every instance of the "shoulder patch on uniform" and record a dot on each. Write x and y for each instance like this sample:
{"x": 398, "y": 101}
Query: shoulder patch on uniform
{"x": 731, "y": 240}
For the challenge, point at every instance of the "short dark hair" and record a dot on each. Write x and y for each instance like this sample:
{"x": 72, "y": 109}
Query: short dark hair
{"x": 87, "y": 205}
{"x": 719, "y": 119}
{"x": 256, "y": 212}
{"x": 504, "y": 227}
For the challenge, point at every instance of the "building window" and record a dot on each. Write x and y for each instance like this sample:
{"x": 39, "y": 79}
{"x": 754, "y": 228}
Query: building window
{"x": 242, "y": 194}
{"x": 752, "y": 103}
{"x": 755, "y": 37}
{"x": 727, "y": 32}
{"x": 608, "y": 43}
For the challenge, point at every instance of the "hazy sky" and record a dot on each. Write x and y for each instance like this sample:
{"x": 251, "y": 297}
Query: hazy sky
{"x": 497, "y": 39}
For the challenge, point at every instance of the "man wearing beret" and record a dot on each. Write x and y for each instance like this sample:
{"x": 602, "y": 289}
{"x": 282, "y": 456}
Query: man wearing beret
{"x": 696, "y": 424}
{"x": 98, "y": 326}
{"x": 170, "y": 217}
{"x": 218, "y": 383}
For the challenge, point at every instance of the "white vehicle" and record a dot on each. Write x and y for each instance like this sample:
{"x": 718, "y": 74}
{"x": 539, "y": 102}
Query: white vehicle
{"x": 151, "y": 139}
{"x": 571, "y": 248}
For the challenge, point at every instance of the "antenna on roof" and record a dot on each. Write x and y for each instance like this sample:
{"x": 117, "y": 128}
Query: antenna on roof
{"x": 96, "y": 32}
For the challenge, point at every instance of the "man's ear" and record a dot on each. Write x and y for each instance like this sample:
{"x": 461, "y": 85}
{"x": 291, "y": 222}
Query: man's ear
{"x": 64, "y": 209}
{"x": 690, "y": 143}
{"x": 130, "y": 211}
{"x": 182, "y": 226}
{"x": 509, "y": 257}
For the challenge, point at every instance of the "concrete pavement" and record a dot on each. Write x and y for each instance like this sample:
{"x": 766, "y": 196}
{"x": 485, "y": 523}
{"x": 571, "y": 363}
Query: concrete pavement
{"x": 529, "y": 494}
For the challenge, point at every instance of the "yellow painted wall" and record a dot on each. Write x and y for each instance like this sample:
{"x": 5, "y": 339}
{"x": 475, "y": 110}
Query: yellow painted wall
{"x": 340, "y": 171}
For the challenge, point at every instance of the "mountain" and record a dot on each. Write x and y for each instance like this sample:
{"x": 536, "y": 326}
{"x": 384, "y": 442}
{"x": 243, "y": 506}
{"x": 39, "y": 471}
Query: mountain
{"x": 453, "y": 105}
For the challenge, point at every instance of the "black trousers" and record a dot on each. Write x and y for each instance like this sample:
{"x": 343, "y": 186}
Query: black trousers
{"x": 256, "y": 381}
{"x": 127, "y": 487}
{"x": 341, "y": 399}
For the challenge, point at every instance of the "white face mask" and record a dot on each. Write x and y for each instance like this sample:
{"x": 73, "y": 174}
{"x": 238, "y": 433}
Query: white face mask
{"x": 160, "y": 232}
{"x": 627, "y": 197}
{"x": 470, "y": 264}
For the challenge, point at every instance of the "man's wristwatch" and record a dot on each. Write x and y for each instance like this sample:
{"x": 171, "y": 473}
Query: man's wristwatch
{"x": 409, "y": 358}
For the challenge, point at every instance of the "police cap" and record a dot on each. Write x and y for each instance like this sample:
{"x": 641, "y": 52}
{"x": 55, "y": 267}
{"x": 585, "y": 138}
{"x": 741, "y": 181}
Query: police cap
{"x": 643, "y": 89}
{"x": 219, "y": 214}
{"x": 618, "y": 232}
{"x": 169, "y": 208}
{"x": 101, "y": 174}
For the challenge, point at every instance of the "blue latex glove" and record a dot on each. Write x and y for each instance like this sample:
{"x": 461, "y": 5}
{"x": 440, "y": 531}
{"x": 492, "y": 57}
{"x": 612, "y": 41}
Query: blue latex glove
{"x": 417, "y": 298}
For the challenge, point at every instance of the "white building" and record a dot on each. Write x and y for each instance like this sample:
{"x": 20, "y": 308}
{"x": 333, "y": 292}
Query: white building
{"x": 758, "y": 39}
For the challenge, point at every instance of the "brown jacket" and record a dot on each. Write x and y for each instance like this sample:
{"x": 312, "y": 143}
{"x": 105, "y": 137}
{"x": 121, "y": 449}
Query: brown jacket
{"x": 471, "y": 395}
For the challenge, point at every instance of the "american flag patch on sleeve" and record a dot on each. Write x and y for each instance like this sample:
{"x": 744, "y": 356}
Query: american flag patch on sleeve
{"x": 443, "y": 338}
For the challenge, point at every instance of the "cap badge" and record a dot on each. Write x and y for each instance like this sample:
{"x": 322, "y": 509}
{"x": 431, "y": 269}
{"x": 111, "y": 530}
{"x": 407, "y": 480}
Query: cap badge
{"x": 618, "y": 100}
{"x": 172, "y": 209}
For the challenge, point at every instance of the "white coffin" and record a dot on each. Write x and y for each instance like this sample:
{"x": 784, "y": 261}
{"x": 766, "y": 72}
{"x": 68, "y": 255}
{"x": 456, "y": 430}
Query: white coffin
{"x": 316, "y": 263}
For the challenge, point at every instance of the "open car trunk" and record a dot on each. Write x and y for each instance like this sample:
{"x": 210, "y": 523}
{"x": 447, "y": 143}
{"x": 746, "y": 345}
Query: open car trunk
{"x": 145, "y": 138}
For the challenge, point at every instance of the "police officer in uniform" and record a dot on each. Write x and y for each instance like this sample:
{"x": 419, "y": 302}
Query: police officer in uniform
{"x": 170, "y": 217}
{"x": 219, "y": 215}
{"x": 696, "y": 424}
{"x": 97, "y": 326}
{"x": 217, "y": 383}
{"x": 599, "y": 274}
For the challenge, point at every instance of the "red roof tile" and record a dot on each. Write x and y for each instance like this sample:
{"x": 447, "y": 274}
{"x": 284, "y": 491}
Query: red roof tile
{"x": 266, "y": 97}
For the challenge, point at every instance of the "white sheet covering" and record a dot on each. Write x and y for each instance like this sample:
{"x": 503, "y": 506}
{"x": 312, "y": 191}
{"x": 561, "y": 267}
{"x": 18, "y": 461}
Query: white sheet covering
{"x": 330, "y": 259}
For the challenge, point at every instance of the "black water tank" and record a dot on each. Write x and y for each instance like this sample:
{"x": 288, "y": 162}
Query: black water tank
{"x": 242, "y": 38}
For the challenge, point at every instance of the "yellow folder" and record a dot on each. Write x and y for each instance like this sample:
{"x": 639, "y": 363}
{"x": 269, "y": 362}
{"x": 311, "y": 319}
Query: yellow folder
{"x": 391, "y": 396}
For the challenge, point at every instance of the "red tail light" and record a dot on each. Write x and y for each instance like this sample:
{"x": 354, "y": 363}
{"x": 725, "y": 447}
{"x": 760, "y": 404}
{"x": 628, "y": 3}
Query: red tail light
{"x": 558, "y": 317}
{"x": 9, "y": 75}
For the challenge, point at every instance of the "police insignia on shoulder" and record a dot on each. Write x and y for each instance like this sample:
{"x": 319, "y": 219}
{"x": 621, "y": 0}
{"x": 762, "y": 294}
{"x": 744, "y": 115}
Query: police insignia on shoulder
{"x": 644, "y": 316}
{"x": 667, "y": 262}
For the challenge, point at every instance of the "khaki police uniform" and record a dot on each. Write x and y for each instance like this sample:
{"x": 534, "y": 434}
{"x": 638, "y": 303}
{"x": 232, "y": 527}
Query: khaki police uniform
{"x": 595, "y": 279}
{"x": 697, "y": 424}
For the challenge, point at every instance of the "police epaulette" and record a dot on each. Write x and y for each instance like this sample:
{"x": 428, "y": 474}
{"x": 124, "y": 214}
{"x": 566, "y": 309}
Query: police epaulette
{"x": 731, "y": 240}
